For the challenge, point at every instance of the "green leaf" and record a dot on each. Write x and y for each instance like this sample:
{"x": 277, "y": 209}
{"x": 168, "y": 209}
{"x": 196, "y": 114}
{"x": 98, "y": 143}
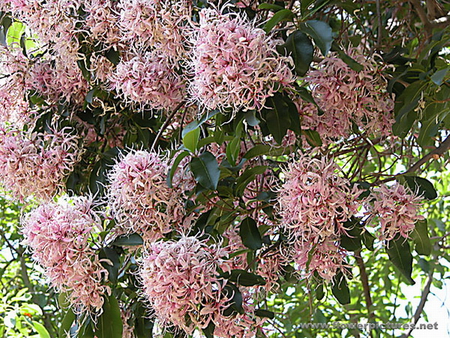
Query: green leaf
{"x": 110, "y": 321}
{"x": 299, "y": 46}
{"x": 66, "y": 323}
{"x": 251, "y": 238}
{"x": 206, "y": 170}
{"x": 271, "y": 7}
{"x": 190, "y": 139}
{"x": 404, "y": 108}
{"x": 439, "y": 76}
{"x": 113, "y": 263}
{"x": 368, "y": 240}
{"x": 113, "y": 56}
{"x": 399, "y": 253}
{"x": 43, "y": 333}
{"x": 258, "y": 150}
{"x": 357, "y": 67}
{"x": 244, "y": 278}
{"x": 277, "y": 117}
{"x": 14, "y": 33}
{"x": 195, "y": 124}
{"x": 248, "y": 176}
{"x": 209, "y": 330}
{"x": 265, "y": 313}
{"x": 340, "y": 288}
{"x": 174, "y": 167}
{"x": 420, "y": 238}
{"x": 281, "y": 15}
{"x": 420, "y": 186}
{"x": 320, "y": 32}
{"x": 233, "y": 149}
{"x": 352, "y": 241}
{"x": 320, "y": 293}
{"x": 312, "y": 137}
{"x": 128, "y": 240}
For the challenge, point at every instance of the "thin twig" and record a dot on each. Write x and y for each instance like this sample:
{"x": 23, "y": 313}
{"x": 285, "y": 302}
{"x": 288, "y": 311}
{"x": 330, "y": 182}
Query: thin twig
{"x": 166, "y": 124}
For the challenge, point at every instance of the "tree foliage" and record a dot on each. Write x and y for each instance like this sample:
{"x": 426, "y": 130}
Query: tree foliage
{"x": 187, "y": 168}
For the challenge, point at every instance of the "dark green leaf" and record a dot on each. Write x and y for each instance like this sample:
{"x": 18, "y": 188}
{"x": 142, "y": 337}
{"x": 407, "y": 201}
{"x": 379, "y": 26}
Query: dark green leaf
{"x": 190, "y": 139}
{"x": 404, "y": 108}
{"x": 209, "y": 330}
{"x": 128, "y": 240}
{"x": 312, "y": 137}
{"x": 357, "y": 67}
{"x": 420, "y": 186}
{"x": 277, "y": 117}
{"x": 439, "y": 76}
{"x": 206, "y": 170}
{"x": 265, "y": 313}
{"x": 320, "y": 293}
{"x": 248, "y": 230}
{"x": 320, "y": 32}
{"x": 174, "y": 167}
{"x": 233, "y": 149}
{"x": 352, "y": 240}
{"x": 247, "y": 176}
{"x": 299, "y": 46}
{"x": 421, "y": 239}
{"x": 258, "y": 150}
{"x": 66, "y": 323}
{"x": 113, "y": 263}
{"x": 281, "y": 15}
{"x": 270, "y": 7}
{"x": 340, "y": 288}
{"x": 113, "y": 56}
{"x": 110, "y": 321}
{"x": 399, "y": 253}
{"x": 368, "y": 240}
{"x": 195, "y": 124}
{"x": 244, "y": 278}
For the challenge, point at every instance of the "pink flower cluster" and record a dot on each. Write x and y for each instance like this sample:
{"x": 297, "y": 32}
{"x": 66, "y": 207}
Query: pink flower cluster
{"x": 348, "y": 96}
{"x": 315, "y": 200}
{"x": 158, "y": 24}
{"x": 36, "y": 164}
{"x": 395, "y": 208}
{"x": 234, "y": 64}
{"x": 314, "y": 203}
{"x": 149, "y": 79}
{"x": 181, "y": 283}
{"x": 58, "y": 235}
{"x": 139, "y": 197}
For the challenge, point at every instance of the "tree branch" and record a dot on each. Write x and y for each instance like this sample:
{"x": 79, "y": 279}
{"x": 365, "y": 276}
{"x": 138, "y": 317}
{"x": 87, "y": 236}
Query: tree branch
{"x": 166, "y": 124}
{"x": 366, "y": 286}
{"x": 444, "y": 146}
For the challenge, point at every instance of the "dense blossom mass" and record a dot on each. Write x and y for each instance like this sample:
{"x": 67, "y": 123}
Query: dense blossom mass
{"x": 220, "y": 170}
{"x": 396, "y": 210}
{"x": 36, "y": 164}
{"x": 234, "y": 64}
{"x": 58, "y": 235}
{"x": 139, "y": 197}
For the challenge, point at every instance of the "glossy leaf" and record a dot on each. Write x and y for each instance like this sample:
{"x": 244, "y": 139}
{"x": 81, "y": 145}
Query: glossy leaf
{"x": 280, "y": 16}
{"x": 419, "y": 185}
{"x": 206, "y": 170}
{"x": 277, "y": 117}
{"x": 320, "y": 32}
{"x": 340, "y": 288}
{"x": 66, "y": 323}
{"x": 128, "y": 240}
{"x": 110, "y": 322}
{"x": 399, "y": 253}
{"x": 299, "y": 46}
{"x": 249, "y": 233}
{"x": 421, "y": 239}
{"x": 233, "y": 149}
{"x": 190, "y": 139}
{"x": 244, "y": 278}
{"x": 265, "y": 313}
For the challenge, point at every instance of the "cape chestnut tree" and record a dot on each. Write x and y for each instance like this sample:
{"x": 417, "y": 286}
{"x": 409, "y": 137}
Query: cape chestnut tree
{"x": 198, "y": 168}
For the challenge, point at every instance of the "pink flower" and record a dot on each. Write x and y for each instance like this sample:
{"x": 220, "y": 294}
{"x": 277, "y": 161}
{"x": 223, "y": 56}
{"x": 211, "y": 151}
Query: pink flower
{"x": 323, "y": 257}
{"x": 140, "y": 199}
{"x": 36, "y": 164}
{"x": 149, "y": 79}
{"x": 156, "y": 24}
{"x": 180, "y": 281}
{"x": 348, "y": 96}
{"x": 58, "y": 236}
{"x": 395, "y": 208}
{"x": 315, "y": 199}
{"x": 234, "y": 64}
